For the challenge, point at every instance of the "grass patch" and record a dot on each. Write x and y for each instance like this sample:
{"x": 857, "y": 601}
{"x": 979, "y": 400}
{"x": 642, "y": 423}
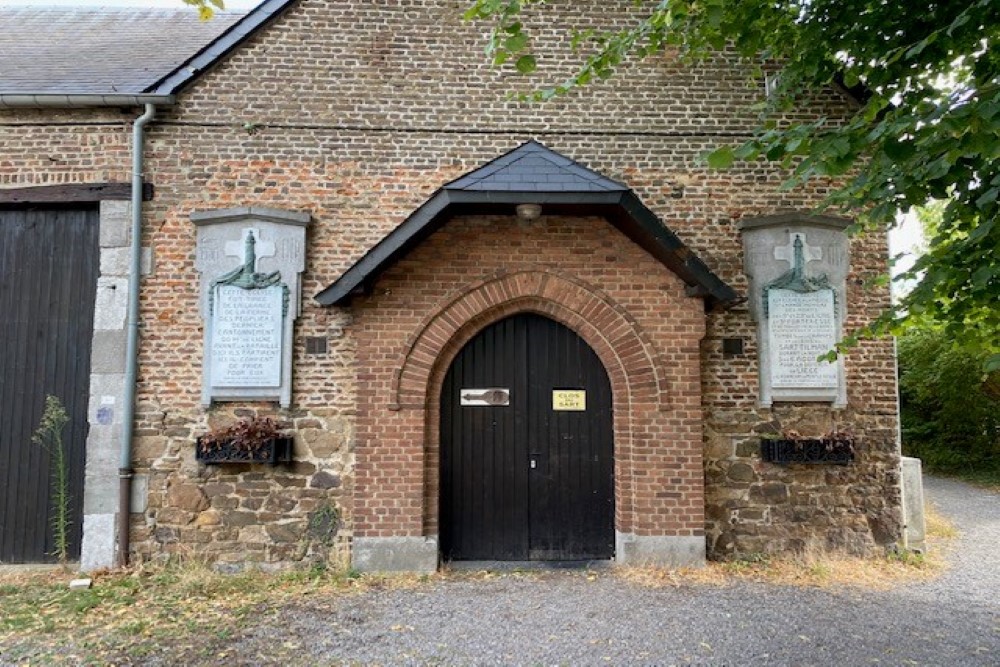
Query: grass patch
{"x": 816, "y": 569}
{"x": 807, "y": 570}
{"x": 184, "y": 608}
{"x": 937, "y": 526}
{"x": 186, "y": 611}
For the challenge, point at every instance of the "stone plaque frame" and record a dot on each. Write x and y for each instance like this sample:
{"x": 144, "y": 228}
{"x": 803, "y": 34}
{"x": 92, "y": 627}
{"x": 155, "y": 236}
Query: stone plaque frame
{"x": 250, "y": 248}
{"x": 790, "y": 254}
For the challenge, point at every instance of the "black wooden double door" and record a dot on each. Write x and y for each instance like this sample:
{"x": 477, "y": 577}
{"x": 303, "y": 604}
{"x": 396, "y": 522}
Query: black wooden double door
{"x": 48, "y": 280}
{"x": 532, "y": 479}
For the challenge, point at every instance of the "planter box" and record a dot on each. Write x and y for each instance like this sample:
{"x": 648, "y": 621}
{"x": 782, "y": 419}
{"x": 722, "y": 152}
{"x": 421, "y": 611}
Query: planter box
{"x": 836, "y": 451}
{"x": 276, "y": 451}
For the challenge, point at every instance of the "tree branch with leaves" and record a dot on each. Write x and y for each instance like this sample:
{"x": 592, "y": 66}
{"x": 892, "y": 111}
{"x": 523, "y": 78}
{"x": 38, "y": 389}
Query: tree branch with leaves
{"x": 206, "y": 8}
{"x": 928, "y": 126}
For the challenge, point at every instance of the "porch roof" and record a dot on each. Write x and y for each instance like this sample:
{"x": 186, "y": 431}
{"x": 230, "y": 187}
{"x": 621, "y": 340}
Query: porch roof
{"x": 534, "y": 174}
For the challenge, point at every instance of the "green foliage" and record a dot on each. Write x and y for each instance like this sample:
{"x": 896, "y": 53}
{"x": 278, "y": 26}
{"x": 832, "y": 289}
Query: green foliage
{"x": 928, "y": 126}
{"x": 178, "y": 609}
{"x": 206, "y": 8}
{"x": 49, "y": 436}
{"x": 950, "y": 407}
{"x": 323, "y": 524}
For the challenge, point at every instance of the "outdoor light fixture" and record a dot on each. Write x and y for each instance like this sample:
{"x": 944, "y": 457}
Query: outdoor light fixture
{"x": 529, "y": 212}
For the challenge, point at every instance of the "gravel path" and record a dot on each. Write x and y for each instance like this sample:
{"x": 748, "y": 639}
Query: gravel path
{"x": 974, "y": 576}
{"x": 576, "y": 618}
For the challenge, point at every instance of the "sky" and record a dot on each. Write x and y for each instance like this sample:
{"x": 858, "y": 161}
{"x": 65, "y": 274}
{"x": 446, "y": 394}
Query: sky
{"x": 907, "y": 238}
{"x": 174, "y": 4}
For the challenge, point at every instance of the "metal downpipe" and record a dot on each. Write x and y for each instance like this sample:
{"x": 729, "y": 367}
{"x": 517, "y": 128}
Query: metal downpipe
{"x": 132, "y": 341}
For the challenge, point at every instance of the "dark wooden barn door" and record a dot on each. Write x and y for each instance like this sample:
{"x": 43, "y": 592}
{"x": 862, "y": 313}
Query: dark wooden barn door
{"x": 48, "y": 279}
{"x": 532, "y": 479}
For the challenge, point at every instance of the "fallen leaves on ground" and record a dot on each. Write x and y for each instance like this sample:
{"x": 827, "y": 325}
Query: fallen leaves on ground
{"x": 192, "y": 613}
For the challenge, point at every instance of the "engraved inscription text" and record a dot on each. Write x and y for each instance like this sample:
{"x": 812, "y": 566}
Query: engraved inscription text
{"x": 246, "y": 340}
{"x": 802, "y": 326}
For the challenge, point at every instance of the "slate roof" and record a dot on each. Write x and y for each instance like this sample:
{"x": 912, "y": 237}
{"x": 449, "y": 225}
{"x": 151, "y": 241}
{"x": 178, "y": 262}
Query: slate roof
{"x": 48, "y": 50}
{"x": 533, "y": 174}
{"x": 532, "y": 167}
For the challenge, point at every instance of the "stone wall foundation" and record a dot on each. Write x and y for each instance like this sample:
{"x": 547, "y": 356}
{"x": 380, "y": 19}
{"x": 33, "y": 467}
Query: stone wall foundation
{"x": 659, "y": 550}
{"x": 395, "y": 554}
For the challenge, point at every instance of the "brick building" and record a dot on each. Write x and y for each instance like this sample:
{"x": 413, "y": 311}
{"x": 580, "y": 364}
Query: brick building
{"x": 515, "y": 331}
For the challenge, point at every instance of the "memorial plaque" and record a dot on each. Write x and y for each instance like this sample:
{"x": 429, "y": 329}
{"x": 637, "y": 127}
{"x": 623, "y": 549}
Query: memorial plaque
{"x": 802, "y": 326}
{"x": 246, "y": 341}
{"x": 797, "y": 267}
{"x": 251, "y": 262}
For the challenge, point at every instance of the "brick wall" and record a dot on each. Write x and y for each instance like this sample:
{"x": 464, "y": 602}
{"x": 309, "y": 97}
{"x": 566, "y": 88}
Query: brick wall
{"x": 357, "y": 112}
{"x": 580, "y": 271}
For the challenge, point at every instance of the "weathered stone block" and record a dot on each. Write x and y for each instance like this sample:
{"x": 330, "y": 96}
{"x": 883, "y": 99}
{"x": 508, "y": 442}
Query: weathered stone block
{"x": 115, "y": 223}
{"x": 280, "y": 504}
{"x": 225, "y": 502}
{"x": 769, "y": 493}
{"x": 240, "y": 519}
{"x": 174, "y": 516}
{"x": 325, "y": 480}
{"x": 148, "y": 447}
{"x": 251, "y": 503}
{"x": 166, "y": 535}
{"x": 287, "y": 481}
{"x": 741, "y": 472}
{"x": 395, "y": 554}
{"x": 719, "y": 447}
{"x": 187, "y": 497}
{"x": 303, "y": 468}
{"x": 108, "y": 352}
{"x": 98, "y": 550}
{"x": 322, "y": 443}
{"x": 284, "y": 532}
{"x": 748, "y": 448}
{"x": 660, "y": 551}
{"x": 253, "y": 536}
{"x": 213, "y": 489}
{"x": 209, "y": 517}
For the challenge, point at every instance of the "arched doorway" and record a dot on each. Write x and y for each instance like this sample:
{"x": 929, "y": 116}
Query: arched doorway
{"x": 527, "y": 451}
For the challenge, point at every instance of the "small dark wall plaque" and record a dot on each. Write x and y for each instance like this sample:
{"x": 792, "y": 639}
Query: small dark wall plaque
{"x": 315, "y": 345}
{"x": 732, "y": 347}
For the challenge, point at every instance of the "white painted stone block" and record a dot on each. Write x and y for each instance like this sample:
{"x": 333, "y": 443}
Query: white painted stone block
{"x": 395, "y": 554}
{"x": 98, "y": 550}
{"x": 914, "y": 524}
{"x": 659, "y": 550}
{"x": 111, "y": 303}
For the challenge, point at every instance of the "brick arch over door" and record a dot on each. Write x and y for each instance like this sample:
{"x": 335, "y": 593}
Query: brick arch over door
{"x": 627, "y": 355}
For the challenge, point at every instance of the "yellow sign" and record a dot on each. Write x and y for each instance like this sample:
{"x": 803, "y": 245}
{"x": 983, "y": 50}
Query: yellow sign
{"x": 574, "y": 400}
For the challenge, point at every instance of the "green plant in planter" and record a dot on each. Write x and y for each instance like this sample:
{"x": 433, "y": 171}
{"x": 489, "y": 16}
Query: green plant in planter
{"x": 249, "y": 440}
